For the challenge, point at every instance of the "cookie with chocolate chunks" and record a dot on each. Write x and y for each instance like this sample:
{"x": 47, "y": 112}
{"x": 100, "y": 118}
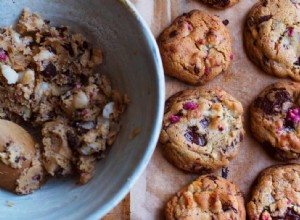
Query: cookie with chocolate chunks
{"x": 208, "y": 197}
{"x": 276, "y": 194}
{"x": 220, "y": 4}
{"x": 195, "y": 48}
{"x": 202, "y": 129}
{"x": 271, "y": 37}
{"x": 275, "y": 119}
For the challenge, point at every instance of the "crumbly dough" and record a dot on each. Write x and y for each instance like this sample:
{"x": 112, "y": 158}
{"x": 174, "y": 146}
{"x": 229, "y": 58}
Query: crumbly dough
{"x": 48, "y": 79}
{"x": 209, "y": 197}
{"x": 195, "y": 48}
{"x": 271, "y": 37}
{"x": 21, "y": 170}
{"x": 276, "y": 194}
{"x": 220, "y": 4}
{"x": 202, "y": 129}
{"x": 275, "y": 119}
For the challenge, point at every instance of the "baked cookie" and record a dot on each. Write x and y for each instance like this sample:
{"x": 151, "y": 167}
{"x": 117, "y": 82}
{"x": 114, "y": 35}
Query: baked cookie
{"x": 276, "y": 195}
{"x": 202, "y": 130}
{"x": 195, "y": 48}
{"x": 210, "y": 197}
{"x": 275, "y": 119}
{"x": 220, "y": 4}
{"x": 272, "y": 37}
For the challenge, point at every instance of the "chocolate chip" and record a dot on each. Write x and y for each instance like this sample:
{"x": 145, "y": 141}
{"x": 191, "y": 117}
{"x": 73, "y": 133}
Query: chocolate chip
{"x": 61, "y": 30}
{"x": 72, "y": 139}
{"x": 194, "y": 137}
{"x": 36, "y": 177}
{"x": 297, "y": 63}
{"x": 228, "y": 207}
{"x": 85, "y": 45}
{"x": 225, "y": 22}
{"x": 265, "y": 60}
{"x": 219, "y": 3}
{"x": 173, "y": 34}
{"x": 47, "y": 21}
{"x": 212, "y": 177}
{"x": 290, "y": 214}
{"x": 251, "y": 22}
{"x": 69, "y": 48}
{"x": 49, "y": 71}
{"x": 179, "y": 113}
{"x": 204, "y": 122}
{"x": 225, "y": 172}
{"x": 216, "y": 99}
{"x": 264, "y": 19}
{"x": 273, "y": 106}
{"x": 52, "y": 49}
{"x": 196, "y": 69}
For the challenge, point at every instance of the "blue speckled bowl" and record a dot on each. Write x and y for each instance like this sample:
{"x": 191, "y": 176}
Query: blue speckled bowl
{"x": 133, "y": 63}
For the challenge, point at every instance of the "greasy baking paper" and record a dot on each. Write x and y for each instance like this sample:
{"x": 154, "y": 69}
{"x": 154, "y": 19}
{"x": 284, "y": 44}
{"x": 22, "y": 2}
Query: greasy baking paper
{"x": 243, "y": 80}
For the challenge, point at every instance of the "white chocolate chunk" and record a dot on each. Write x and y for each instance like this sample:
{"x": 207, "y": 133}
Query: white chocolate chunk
{"x": 9, "y": 74}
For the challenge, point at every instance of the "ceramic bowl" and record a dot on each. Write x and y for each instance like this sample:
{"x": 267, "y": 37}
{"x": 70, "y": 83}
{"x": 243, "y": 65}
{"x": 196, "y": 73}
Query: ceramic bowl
{"x": 133, "y": 63}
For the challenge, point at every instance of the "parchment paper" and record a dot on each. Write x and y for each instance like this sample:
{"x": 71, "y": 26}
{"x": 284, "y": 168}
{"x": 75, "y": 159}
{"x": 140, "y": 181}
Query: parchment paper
{"x": 243, "y": 80}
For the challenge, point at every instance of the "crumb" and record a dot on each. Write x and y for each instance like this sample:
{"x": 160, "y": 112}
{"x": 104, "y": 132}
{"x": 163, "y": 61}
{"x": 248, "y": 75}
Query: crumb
{"x": 135, "y": 132}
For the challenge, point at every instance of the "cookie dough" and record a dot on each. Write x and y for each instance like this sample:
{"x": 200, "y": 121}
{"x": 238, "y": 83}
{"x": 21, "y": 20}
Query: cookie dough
{"x": 195, "y": 48}
{"x": 48, "y": 79}
{"x": 276, "y": 194}
{"x": 271, "y": 37}
{"x": 275, "y": 119}
{"x": 220, "y": 4}
{"x": 20, "y": 168}
{"x": 209, "y": 197}
{"x": 202, "y": 129}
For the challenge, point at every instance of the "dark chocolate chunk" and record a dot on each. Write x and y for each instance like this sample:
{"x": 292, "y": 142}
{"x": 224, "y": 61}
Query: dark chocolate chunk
{"x": 69, "y": 48}
{"x": 212, "y": 177}
{"x": 225, "y": 22}
{"x": 225, "y": 172}
{"x": 173, "y": 34}
{"x": 196, "y": 69}
{"x": 297, "y": 63}
{"x": 36, "y": 177}
{"x": 289, "y": 215}
{"x": 72, "y": 139}
{"x": 194, "y": 137}
{"x": 49, "y": 71}
{"x": 228, "y": 207}
{"x": 204, "y": 122}
{"x": 264, "y": 19}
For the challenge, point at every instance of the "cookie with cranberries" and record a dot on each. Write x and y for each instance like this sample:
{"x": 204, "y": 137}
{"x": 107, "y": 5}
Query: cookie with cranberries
{"x": 196, "y": 47}
{"x": 276, "y": 194}
{"x": 202, "y": 129}
{"x": 275, "y": 119}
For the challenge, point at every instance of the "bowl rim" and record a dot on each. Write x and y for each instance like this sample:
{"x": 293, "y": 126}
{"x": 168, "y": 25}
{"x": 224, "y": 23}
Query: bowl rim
{"x": 137, "y": 172}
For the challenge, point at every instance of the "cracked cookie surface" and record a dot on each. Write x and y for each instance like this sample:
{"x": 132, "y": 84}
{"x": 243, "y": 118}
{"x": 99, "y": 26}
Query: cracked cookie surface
{"x": 275, "y": 119}
{"x": 209, "y": 197}
{"x": 271, "y": 37}
{"x": 202, "y": 130}
{"x": 195, "y": 48}
{"x": 276, "y": 195}
{"x": 220, "y": 4}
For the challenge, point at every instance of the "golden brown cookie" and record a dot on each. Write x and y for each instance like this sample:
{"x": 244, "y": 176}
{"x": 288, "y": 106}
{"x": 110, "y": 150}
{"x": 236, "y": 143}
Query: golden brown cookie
{"x": 271, "y": 37}
{"x": 276, "y": 195}
{"x": 220, "y": 4}
{"x": 195, "y": 48}
{"x": 275, "y": 119}
{"x": 202, "y": 130}
{"x": 209, "y": 197}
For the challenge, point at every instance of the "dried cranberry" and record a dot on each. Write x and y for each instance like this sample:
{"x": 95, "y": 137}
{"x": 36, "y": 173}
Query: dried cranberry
{"x": 174, "y": 118}
{"x": 190, "y": 106}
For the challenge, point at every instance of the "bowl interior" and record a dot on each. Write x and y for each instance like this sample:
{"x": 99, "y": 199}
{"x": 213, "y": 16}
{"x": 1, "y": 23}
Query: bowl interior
{"x": 133, "y": 64}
